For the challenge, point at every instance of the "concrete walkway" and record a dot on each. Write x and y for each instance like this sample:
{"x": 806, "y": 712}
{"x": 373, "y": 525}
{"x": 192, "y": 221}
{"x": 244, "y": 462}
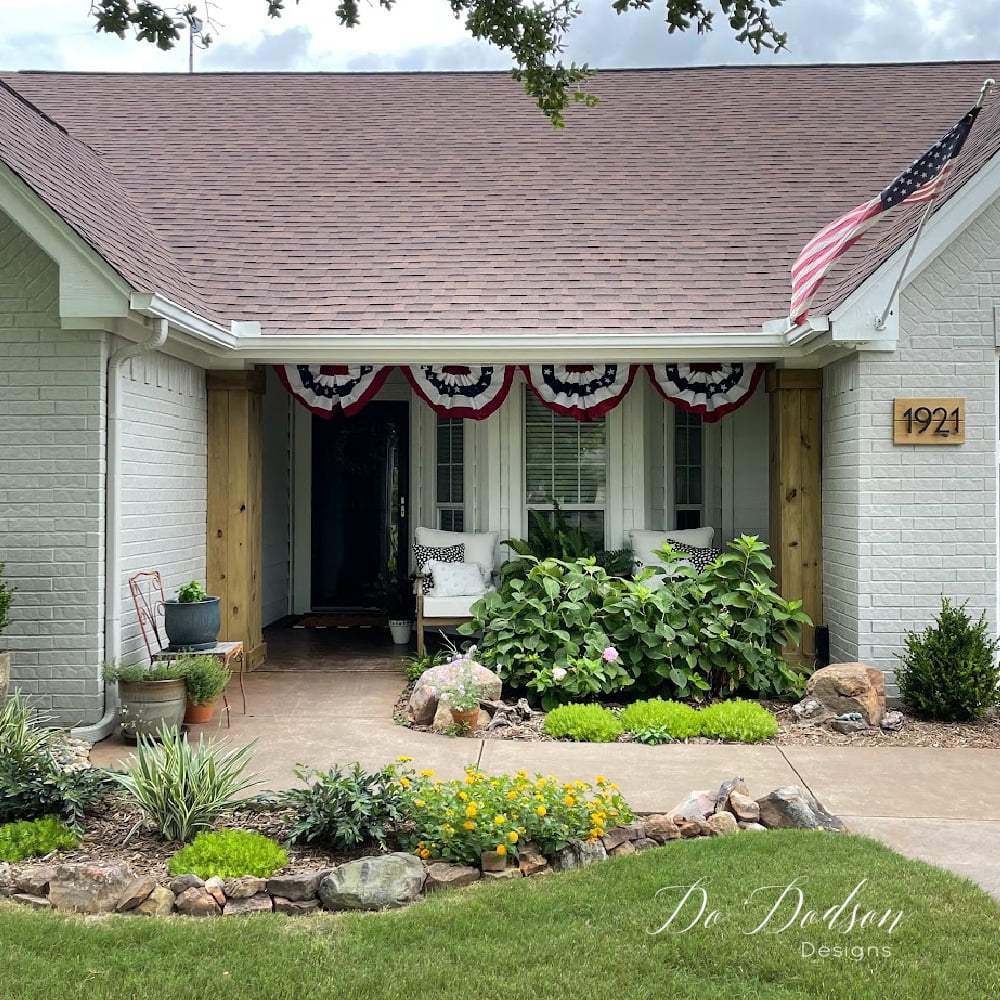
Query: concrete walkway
{"x": 939, "y": 805}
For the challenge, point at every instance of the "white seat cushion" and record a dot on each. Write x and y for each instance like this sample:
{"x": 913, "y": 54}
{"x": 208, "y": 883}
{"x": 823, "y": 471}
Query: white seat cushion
{"x": 448, "y": 607}
{"x": 480, "y": 546}
{"x": 645, "y": 543}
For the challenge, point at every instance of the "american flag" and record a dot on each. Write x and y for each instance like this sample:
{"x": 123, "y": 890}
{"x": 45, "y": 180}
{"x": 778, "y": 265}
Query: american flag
{"x": 918, "y": 183}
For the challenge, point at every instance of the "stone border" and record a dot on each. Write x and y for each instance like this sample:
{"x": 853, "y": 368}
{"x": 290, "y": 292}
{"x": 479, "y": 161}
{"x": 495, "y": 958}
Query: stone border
{"x": 389, "y": 881}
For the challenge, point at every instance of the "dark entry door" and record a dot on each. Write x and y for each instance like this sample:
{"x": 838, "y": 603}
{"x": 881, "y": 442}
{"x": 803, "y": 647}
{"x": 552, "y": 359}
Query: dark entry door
{"x": 360, "y": 476}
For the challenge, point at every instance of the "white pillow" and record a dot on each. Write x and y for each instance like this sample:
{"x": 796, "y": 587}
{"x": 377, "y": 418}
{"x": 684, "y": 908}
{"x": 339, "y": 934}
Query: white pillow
{"x": 456, "y": 579}
{"x": 480, "y": 546}
{"x": 645, "y": 543}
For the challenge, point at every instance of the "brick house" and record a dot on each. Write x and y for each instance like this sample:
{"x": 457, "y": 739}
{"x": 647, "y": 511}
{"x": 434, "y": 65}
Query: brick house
{"x": 169, "y": 243}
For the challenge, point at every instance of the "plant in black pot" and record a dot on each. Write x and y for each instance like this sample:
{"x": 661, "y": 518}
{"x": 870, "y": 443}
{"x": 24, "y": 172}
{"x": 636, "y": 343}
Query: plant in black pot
{"x": 396, "y": 597}
{"x": 150, "y": 698}
{"x": 6, "y": 596}
{"x": 206, "y": 678}
{"x": 192, "y": 619}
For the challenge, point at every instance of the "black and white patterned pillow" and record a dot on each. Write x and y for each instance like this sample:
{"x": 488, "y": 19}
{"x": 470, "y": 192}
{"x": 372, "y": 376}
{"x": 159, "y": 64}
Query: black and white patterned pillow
{"x": 423, "y": 554}
{"x": 698, "y": 558}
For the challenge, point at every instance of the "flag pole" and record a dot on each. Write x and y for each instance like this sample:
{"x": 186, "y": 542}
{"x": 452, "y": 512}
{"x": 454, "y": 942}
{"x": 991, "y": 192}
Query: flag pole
{"x": 984, "y": 92}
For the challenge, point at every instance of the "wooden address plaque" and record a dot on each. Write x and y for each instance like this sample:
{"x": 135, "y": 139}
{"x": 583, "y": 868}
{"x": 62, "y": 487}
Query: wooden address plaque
{"x": 928, "y": 421}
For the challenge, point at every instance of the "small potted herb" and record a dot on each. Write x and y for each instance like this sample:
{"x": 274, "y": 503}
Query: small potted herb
{"x": 191, "y": 619}
{"x": 206, "y": 678}
{"x": 150, "y": 698}
{"x": 6, "y": 596}
{"x": 458, "y": 690}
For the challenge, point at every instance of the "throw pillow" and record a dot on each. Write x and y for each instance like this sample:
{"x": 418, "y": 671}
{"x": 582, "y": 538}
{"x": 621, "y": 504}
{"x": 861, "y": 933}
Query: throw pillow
{"x": 456, "y": 579}
{"x": 423, "y": 554}
{"x": 699, "y": 558}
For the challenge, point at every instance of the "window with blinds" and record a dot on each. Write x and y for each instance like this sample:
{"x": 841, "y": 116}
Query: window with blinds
{"x": 450, "y": 496}
{"x": 688, "y": 470}
{"x": 566, "y": 461}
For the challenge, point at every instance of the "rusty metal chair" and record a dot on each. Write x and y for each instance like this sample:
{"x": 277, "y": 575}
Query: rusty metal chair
{"x": 146, "y": 588}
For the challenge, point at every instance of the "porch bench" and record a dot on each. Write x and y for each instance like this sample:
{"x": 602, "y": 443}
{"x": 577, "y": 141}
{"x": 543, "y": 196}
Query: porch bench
{"x": 440, "y": 611}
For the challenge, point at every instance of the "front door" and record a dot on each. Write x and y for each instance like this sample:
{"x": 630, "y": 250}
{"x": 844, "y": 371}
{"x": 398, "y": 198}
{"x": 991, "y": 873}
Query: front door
{"x": 359, "y": 491}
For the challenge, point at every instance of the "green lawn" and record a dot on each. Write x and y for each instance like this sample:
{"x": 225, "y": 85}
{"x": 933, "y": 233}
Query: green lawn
{"x": 580, "y": 935}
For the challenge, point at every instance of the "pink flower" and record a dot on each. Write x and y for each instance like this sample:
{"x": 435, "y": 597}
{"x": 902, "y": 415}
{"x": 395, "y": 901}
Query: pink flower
{"x": 558, "y": 673}
{"x": 610, "y": 654}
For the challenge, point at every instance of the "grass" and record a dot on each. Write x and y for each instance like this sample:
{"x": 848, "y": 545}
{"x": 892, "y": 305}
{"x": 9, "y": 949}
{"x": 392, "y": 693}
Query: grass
{"x": 574, "y": 936}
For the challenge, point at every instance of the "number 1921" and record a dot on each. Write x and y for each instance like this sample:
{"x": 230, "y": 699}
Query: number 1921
{"x": 929, "y": 421}
{"x": 937, "y": 421}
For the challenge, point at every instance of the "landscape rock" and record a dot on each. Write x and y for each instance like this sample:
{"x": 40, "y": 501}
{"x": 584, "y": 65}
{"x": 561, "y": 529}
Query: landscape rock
{"x": 490, "y": 861}
{"x": 660, "y": 828}
{"x": 182, "y": 882}
{"x": 850, "y": 687}
{"x": 892, "y": 722}
{"x": 695, "y": 804}
{"x": 373, "y": 883}
{"x": 645, "y": 844}
{"x": 89, "y": 887}
{"x": 441, "y": 875}
{"x": 295, "y": 907}
{"x": 259, "y": 903}
{"x": 506, "y": 873}
{"x": 726, "y": 789}
{"x": 636, "y": 829}
{"x": 213, "y": 886}
{"x": 423, "y": 702}
{"x": 688, "y": 828}
{"x": 135, "y": 893}
{"x": 197, "y": 902}
{"x": 625, "y": 847}
{"x": 744, "y": 808}
{"x": 809, "y": 709}
{"x": 294, "y": 888}
{"x": 530, "y": 859}
{"x": 722, "y": 823}
{"x": 792, "y": 807}
{"x": 34, "y": 881}
{"x": 243, "y": 888}
{"x": 159, "y": 903}
{"x": 505, "y": 716}
{"x": 752, "y": 827}
{"x": 577, "y": 854}
{"x": 6, "y": 879}
{"x": 848, "y": 727}
{"x": 616, "y": 836}
{"x": 35, "y": 902}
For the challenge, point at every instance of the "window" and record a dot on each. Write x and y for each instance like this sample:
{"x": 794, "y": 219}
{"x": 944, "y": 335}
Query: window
{"x": 688, "y": 469}
{"x": 566, "y": 461}
{"x": 450, "y": 474}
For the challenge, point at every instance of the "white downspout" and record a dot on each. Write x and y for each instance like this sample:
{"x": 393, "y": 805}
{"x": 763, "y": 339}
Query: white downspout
{"x": 112, "y": 527}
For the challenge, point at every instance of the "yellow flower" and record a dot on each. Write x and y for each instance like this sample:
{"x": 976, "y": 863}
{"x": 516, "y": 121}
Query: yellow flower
{"x": 499, "y": 820}
{"x": 512, "y": 836}
{"x": 596, "y": 817}
{"x": 580, "y": 784}
{"x": 418, "y": 802}
{"x": 469, "y": 825}
{"x": 501, "y": 850}
{"x": 540, "y": 782}
{"x": 512, "y": 795}
{"x": 405, "y": 782}
{"x": 471, "y": 810}
{"x": 569, "y": 800}
{"x": 521, "y": 774}
{"x": 427, "y": 774}
{"x": 404, "y": 760}
{"x": 463, "y": 796}
{"x": 424, "y": 853}
{"x": 600, "y": 779}
{"x": 613, "y": 787}
{"x": 470, "y": 779}
{"x": 541, "y": 810}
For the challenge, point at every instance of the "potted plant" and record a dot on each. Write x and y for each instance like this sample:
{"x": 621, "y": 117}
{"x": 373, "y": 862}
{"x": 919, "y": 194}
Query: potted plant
{"x": 205, "y": 678}
{"x": 192, "y": 619}
{"x": 397, "y": 598}
{"x": 459, "y": 691}
{"x": 6, "y": 596}
{"x": 150, "y": 698}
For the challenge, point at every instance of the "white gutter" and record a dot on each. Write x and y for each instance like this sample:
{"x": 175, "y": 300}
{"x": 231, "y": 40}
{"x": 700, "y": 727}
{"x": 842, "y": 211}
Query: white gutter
{"x": 184, "y": 320}
{"x": 112, "y": 524}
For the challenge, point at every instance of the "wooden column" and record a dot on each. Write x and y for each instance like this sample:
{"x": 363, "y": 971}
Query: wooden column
{"x": 234, "y": 506}
{"x": 796, "y": 512}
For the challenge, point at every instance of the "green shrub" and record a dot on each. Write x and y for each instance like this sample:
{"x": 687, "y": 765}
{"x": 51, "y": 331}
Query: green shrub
{"x": 29, "y": 838}
{"x": 417, "y": 666}
{"x": 159, "y": 670}
{"x": 949, "y": 670}
{"x": 343, "y": 809}
{"x": 676, "y": 720}
{"x": 457, "y": 820}
{"x": 583, "y": 723}
{"x": 205, "y": 678}
{"x": 229, "y": 854}
{"x": 32, "y": 784}
{"x": 739, "y": 721}
{"x": 182, "y": 789}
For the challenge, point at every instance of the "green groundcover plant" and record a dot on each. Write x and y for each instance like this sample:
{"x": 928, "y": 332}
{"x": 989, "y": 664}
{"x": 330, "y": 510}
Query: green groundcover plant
{"x": 229, "y": 854}
{"x": 677, "y": 721}
{"x": 583, "y": 723}
{"x": 737, "y": 721}
{"x": 700, "y": 635}
{"x": 30, "y": 838}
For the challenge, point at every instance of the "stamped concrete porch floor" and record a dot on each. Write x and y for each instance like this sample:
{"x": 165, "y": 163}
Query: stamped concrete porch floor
{"x": 939, "y": 805}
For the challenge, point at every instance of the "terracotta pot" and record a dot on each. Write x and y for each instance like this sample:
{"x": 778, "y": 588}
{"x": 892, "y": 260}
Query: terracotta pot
{"x": 467, "y": 720}
{"x": 198, "y": 715}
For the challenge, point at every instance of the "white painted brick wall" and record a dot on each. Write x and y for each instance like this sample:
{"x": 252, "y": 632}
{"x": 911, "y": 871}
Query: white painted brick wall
{"x": 51, "y": 475}
{"x": 277, "y": 485}
{"x": 164, "y": 478}
{"x": 906, "y": 525}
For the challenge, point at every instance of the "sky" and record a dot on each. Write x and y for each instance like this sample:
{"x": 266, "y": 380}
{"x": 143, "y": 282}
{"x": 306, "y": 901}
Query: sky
{"x": 424, "y": 35}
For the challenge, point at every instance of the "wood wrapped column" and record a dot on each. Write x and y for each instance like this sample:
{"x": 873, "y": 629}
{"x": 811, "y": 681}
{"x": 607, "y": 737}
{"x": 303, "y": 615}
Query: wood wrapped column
{"x": 796, "y": 512}
{"x": 234, "y": 506}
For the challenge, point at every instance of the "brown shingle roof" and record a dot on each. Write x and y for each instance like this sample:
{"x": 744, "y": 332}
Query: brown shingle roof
{"x": 74, "y": 181}
{"x": 434, "y": 202}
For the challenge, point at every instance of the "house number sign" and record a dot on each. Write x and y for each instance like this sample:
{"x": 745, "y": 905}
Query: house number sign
{"x": 928, "y": 421}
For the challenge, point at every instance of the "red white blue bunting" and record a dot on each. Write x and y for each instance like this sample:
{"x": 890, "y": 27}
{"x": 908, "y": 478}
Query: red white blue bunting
{"x": 461, "y": 391}
{"x": 324, "y": 389}
{"x": 580, "y": 391}
{"x": 710, "y": 390}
